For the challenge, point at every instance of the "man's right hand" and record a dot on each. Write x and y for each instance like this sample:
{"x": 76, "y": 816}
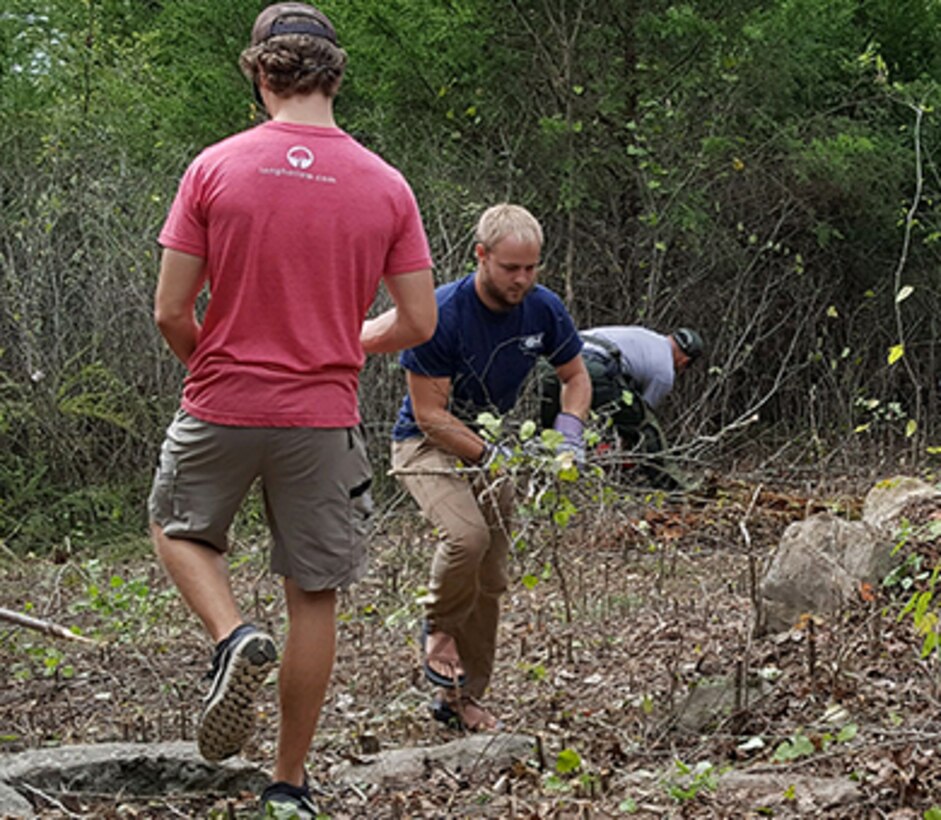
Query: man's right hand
{"x": 495, "y": 456}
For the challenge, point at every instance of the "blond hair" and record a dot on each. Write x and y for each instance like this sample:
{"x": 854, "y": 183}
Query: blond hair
{"x": 503, "y": 220}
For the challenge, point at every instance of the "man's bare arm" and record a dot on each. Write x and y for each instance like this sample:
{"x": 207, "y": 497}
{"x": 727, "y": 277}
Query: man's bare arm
{"x": 181, "y": 278}
{"x": 412, "y": 320}
{"x": 429, "y": 403}
{"x": 576, "y": 387}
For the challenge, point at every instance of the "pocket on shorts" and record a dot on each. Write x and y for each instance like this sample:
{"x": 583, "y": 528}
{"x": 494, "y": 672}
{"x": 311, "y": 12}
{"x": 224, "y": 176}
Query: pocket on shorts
{"x": 160, "y": 502}
{"x": 361, "y": 507}
{"x": 361, "y": 503}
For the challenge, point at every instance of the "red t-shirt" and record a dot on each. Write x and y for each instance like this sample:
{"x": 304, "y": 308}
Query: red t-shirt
{"x": 297, "y": 225}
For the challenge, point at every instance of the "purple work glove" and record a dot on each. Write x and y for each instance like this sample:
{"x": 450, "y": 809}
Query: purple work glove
{"x": 571, "y": 427}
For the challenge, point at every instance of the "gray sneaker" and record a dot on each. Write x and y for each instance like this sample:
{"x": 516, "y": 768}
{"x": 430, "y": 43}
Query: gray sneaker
{"x": 240, "y": 665}
{"x": 286, "y": 801}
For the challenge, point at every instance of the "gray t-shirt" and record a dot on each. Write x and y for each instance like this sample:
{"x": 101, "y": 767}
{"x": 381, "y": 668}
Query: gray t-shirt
{"x": 646, "y": 356}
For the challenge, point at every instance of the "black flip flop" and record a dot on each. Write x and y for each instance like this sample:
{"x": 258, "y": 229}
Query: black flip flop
{"x": 431, "y": 674}
{"x": 445, "y": 713}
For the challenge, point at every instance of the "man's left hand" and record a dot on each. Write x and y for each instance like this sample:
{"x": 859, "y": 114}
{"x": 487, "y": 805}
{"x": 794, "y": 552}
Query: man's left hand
{"x": 571, "y": 427}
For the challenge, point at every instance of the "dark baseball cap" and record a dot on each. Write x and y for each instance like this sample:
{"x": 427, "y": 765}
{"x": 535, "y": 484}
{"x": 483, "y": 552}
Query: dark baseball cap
{"x": 292, "y": 18}
{"x": 689, "y": 341}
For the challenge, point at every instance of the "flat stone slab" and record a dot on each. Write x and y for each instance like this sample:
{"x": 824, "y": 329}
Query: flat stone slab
{"x": 462, "y": 755}
{"x": 130, "y": 769}
{"x": 13, "y": 804}
{"x": 790, "y": 791}
{"x": 805, "y": 793}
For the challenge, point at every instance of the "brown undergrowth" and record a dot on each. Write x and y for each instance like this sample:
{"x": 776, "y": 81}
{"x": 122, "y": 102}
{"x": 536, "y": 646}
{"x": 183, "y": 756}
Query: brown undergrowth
{"x": 609, "y": 624}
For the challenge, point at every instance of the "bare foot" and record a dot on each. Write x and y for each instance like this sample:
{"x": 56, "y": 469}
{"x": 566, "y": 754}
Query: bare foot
{"x": 475, "y": 717}
{"x": 441, "y": 655}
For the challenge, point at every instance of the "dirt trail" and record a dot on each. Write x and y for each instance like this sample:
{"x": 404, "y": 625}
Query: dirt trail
{"x": 605, "y": 634}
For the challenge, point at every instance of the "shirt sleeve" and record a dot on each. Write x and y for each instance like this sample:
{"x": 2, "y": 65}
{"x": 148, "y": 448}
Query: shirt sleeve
{"x": 433, "y": 358}
{"x": 185, "y": 228}
{"x": 410, "y": 251}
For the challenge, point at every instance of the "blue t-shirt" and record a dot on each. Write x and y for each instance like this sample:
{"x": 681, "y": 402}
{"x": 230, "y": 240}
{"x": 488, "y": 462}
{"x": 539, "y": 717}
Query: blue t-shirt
{"x": 487, "y": 355}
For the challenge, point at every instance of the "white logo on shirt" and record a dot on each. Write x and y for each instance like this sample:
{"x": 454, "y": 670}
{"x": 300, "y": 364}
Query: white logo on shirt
{"x": 300, "y": 156}
{"x": 531, "y": 344}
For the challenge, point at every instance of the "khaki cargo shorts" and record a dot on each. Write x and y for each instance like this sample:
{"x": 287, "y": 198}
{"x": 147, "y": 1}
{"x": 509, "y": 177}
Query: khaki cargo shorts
{"x": 315, "y": 483}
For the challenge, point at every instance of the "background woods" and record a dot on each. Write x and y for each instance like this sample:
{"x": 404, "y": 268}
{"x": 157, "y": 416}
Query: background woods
{"x": 764, "y": 172}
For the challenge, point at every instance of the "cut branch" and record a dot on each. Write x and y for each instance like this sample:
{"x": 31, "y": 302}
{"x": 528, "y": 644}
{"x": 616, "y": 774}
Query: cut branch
{"x": 42, "y": 626}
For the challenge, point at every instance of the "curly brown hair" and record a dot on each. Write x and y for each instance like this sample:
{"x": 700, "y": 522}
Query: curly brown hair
{"x": 295, "y": 64}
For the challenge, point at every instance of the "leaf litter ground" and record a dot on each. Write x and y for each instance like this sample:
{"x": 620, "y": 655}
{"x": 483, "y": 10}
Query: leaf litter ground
{"x": 608, "y": 627}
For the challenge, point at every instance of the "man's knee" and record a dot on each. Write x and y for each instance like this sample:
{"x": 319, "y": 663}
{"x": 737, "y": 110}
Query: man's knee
{"x": 467, "y": 546}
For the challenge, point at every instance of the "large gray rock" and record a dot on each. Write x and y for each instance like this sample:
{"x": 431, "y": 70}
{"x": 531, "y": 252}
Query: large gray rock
{"x": 889, "y": 501}
{"x": 817, "y": 568}
{"x": 820, "y": 562}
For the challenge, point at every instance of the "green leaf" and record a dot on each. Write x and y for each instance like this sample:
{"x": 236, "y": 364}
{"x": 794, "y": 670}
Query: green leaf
{"x": 832, "y": 312}
{"x": 910, "y": 428}
{"x": 527, "y": 430}
{"x": 847, "y": 733}
{"x": 930, "y": 644}
{"x": 555, "y": 783}
{"x": 798, "y": 746}
{"x": 627, "y": 806}
{"x": 536, "y": 672}
{"x": 529, "y": 581}
{"x": 568, "y": 470}
{"x": 803, "y": 745}
{"x": 895, "y": 353}
{"x": 491, "y": 425}
{"x": 566, "y": 509}
{"x": 568, "y": 761}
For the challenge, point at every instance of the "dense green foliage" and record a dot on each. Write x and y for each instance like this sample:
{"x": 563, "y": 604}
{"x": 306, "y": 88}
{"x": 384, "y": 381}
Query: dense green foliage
{"x": 761, "y": 171}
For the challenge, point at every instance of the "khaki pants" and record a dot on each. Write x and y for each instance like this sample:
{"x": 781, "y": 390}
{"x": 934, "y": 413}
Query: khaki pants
{"x": 473, "y": 514}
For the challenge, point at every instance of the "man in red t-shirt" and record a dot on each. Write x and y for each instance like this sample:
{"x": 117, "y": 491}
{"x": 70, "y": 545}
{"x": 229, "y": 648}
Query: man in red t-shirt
{"x": 292, "y": 225}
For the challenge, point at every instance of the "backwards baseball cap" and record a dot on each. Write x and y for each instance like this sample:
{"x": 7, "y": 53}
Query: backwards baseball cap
{"x": 689, "y": 341}
{"x": 292, "y": 18}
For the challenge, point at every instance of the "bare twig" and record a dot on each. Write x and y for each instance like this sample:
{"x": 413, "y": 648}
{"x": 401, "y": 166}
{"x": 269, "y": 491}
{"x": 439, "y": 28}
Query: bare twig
{"x": 434, "y": 471}
{"x": 758, "y": 624}
{"x": 48, "y": 798}
{"x": 39, "y": 625}
{"x": 910, "y": 217}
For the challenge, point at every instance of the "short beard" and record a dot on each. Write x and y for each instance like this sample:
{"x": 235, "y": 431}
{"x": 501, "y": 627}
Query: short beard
{"x": 497, "y": 297}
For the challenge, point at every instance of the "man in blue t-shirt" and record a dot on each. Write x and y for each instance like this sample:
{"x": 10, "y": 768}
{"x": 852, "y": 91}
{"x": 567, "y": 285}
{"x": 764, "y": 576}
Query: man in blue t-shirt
{"x": 493, "y": 326}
